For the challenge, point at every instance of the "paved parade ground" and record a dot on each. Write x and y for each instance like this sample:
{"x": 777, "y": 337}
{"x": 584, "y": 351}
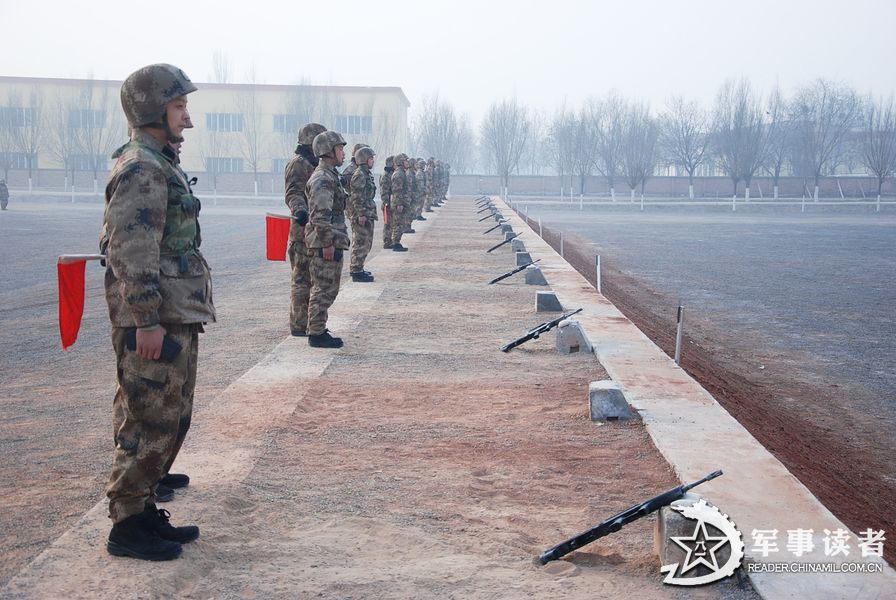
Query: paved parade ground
{"x": 418, "y": 461}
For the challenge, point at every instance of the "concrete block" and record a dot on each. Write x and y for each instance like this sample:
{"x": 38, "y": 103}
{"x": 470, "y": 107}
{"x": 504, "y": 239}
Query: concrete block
{"x": 670, "y": 523}
{"x": 534, "y": 276}
{"x": 571, "y": 338}
{"x": 547, "y": 302}
{"x": 518, "y": 245}
{"x": 522, "y": 258}
{"x": 607, "y": 402}
{"x": 506, "y": 228}
{"x": 498, "y": 216}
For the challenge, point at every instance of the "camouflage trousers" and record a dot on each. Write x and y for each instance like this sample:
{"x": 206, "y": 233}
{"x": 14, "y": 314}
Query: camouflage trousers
{"x": 400, "y": 222}
{"x": 151, "y": 414}
{"x": 362, "y": 241}
{"x": 325, "y": 276}
{"x": 387, "y": 227}
{"x": 427, "y": 201}
{"x": 301, "y": 286}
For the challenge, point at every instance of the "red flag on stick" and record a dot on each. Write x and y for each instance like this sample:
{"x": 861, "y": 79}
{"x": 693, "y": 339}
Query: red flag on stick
{"x": 277, "y": 235}
{"x": 70, "y": 269}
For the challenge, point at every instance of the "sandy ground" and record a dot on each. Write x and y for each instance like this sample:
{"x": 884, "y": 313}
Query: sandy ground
{"x": 420, "y": 462}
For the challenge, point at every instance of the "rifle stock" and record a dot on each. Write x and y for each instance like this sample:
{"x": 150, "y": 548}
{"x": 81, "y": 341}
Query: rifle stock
{"x": 501, "y": 222}
{"x": 535, "y": 332}
{"x": 512, "y": 272}
{"x": 510, "y": 239}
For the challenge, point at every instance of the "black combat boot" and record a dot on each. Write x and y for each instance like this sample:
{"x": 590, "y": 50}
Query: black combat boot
{"x": 324, "y": 340}
{"x": 362, "y": 276}
{"x": 397, "y": 247}
{"x": 160, "y": 518}
{"x": 175, "y": 480}
{"x": 421, "y": 218}
{"x": 410, "y": 231}
{"x": 164, "y": 493}
{"x": 137, "y": 537}
{"x": 299, "y": 333}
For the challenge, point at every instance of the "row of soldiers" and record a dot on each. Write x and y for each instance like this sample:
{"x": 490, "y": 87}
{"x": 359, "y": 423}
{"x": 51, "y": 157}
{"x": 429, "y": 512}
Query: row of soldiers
{"x": 320, "y": 198}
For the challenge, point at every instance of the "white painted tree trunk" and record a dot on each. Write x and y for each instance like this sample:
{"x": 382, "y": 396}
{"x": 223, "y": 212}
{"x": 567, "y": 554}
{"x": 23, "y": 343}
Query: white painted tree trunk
{"x": 633, "y": 196}
{"x": 691, "y": 191}
{"x": 776, "y": 192}
{"x": 815, "y": 195}
{"x": 747, "y": 194}
{"x": 613, "y": 193}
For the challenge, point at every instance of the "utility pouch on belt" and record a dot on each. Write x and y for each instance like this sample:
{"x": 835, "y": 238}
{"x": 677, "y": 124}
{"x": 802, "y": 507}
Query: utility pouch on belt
{"x": 170, "y": 348}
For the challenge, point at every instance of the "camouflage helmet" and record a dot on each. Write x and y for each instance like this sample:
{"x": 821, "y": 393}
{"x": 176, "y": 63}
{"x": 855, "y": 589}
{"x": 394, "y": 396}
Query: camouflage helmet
{"x": 358, "y": 147}
{"x": 147, "y": 91}
{"x": 412, "y": 162}
{"x": 390, "y": 162}
{"x": 308, "y": 132}
{"x": 400, "y": 159}
{"x": 363, "y": 154}
{"x": 326, "y": 142}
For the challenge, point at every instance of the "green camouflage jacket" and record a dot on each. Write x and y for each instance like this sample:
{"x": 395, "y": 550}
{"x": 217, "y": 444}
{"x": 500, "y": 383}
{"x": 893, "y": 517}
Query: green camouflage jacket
{"x": 326, "y": 201}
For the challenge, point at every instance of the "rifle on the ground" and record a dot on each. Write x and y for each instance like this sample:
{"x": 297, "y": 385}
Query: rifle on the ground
{"x": 512, "y": 237}
{"x": 512, "y": 272}
{"x": 490, "y": 216}
{"x": 488, "y": 206}
{"x": 615, "y": 523}
{"x": 537, "y": 331}
{"x": 501, "y": 222}
{"x": 480, "y": 199}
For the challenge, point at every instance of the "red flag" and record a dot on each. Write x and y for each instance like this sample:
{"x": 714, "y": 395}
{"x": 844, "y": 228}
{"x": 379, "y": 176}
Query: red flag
{"x": 277, "y": 235}
{"x": 70, "y": 269}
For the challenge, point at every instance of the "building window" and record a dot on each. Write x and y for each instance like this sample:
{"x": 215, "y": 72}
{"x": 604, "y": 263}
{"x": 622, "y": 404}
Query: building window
{"x": 16, "y": 116}
{"x": 354, "y": 124}
{"x": 86, "y": 162}
{"x": 87, "y": 119}
{"x": 278, "y": 165}
{"x": 224, "y": 121}
{"x": 223, "y": 164}
{"x": 289, "y": 123}
{"x": 18, "y": 160}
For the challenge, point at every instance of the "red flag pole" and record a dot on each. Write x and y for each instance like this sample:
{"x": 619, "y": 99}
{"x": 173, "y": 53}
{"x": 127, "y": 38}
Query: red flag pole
{"x": 70, "y": 270}
{"x": 277, "y": 228}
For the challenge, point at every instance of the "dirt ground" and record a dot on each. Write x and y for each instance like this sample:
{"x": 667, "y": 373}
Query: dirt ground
{"x": 423, "y": 462}
{"x": 786, "y": 409}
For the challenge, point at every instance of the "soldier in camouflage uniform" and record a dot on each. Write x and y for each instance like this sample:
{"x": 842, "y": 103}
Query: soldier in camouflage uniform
{"x": 346, "y": 177}
{"x": 428, "y": 185}
{"x": 326, "y": 235}
{"x": 158, "y": 288}
{"x": 297, "y": 174}
{"x": 421, "y": 189}
{"x": 400, "y": 204}
{"x": 362, "y": 210}
{"x": 411, "y": 175}
{"x": 385, "y": 198}
{"x": 4, "y": 195}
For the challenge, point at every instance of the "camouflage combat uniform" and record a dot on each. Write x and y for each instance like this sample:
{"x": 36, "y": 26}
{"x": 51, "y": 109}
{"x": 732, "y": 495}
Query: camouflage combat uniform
{"x": 298, "y": 172}
{"x": 400, "y": 205}
{"x": 361, "y": 204}
{"x": 326, "y": 227}
{"x": 409, "y": 215}
{"x": 386, "y": 199}
{"x": 428, "y": 186}
{"x": 421, "y": 189}
{"x": 155, "y": 275}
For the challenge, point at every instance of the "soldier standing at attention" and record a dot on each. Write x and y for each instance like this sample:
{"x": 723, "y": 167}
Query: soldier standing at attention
{"x": 428, "y": 184}
{"x": 386, "y": 197}
{"x": 4, "y": 194}
{"x": 421, "y": 189}
{"x": 326, "y": 236}
{"x": 346, "y": 177}
{"x": 363, "y": 213}
{"x": 411, "y": 175}
{"x": 158, "y": 288}
{"x": 400, "y": 206}
{"x": 297, "y": 174}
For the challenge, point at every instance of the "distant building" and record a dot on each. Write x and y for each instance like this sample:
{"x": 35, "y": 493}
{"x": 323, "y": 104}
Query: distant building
{"x": 62, "y": 130}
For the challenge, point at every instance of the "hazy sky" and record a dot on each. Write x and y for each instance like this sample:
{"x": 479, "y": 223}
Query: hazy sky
{"x": 470, "y": 52}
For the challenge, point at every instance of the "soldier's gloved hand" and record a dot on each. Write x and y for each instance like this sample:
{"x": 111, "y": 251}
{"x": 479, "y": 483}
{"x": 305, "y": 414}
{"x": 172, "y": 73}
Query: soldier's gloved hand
{"x": 301, "y": 217}
{"x": 328, "y": 253}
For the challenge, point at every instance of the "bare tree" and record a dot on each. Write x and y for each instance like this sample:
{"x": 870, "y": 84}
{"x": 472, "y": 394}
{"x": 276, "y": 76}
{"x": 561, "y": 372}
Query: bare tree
{"x": 778, "y": 137}
{"x": 561, "y": 144}
{"x": 6, "y": 138}
{"x": 100, "y": 128}
{"x": 436, "y": 131}
{"x": 252, "y": 140}
{"x": 585, "y": 138}
{"x": 739, "y": 132}
{"x": 533, "y": 158}
{"x": 214, "y": 145}
{"x": 28, "y": 138}
{"x": 466, "y": 144}
{"x": 822, "y": 114}
{"x": 63, "y": 136}
{"x": 611, "y": 131}
{"x": 639, "y": 141}
{"x": 879, "y": 140}
{"x": 685, "y": 137}
{"x": 222, "y": 67}
{"x": 504, "y": 133}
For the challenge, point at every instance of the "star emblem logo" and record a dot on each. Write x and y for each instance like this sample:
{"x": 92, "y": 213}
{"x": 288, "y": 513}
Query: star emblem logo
{"x": 701, "y": 548}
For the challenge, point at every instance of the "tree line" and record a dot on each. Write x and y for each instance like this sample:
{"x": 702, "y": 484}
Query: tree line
{"x": 825, "y": 127}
